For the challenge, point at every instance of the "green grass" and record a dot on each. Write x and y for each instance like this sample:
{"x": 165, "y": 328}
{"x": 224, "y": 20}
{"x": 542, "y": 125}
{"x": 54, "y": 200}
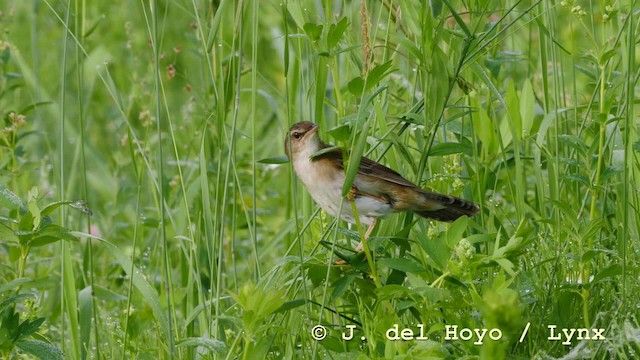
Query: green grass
{"x": 196, "y": 241}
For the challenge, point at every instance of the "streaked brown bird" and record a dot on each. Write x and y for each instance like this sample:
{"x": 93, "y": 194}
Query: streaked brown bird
{"x": 376, "y": 190}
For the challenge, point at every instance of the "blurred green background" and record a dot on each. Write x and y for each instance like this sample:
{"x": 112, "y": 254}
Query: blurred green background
{"x": 146, "y": 209}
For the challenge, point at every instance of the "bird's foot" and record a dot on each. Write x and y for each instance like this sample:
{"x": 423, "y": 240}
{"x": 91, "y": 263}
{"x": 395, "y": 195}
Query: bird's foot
{"x": 353, "y": 192}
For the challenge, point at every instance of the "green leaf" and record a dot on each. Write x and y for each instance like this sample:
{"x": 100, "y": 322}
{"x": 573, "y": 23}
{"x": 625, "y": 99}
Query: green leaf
{"x": 340, "y": 133}
{"x": 458, "y": 19}
{"x": 574, "y": 141}
{"x": 354, "y": 159}
{"x": 313, "y": 31}
{"x": 336, "y": 31}
{"x": 32, "y": 204}
{"x": 9, "y": 200}
{"x": 513, "y": 106}
{"x": 341, "y": 285}
{"x": 7, "y": 235}
{"x": 455, "y": 231}
{"x": 402, "y": 264}
{"x": 377, "y": 74}
{"x": 506, "y": 265}
{"x": 79, "y": 205}
{"x": 149, "y": 294}
{"x": 437, "y": 249}
{"x": 291, "y": 305}
{"x": 322, "y": 75}
{"x": 602, "y": 61}
{"x": 611, "y": 271}
{"x": 321, "y": 152}
{"x": 41, "y": 349}
{"x": 213, "y": 345}
{"x": 28, "y": 327}
{"x": 486, "y": 131}
{"x": 51, "y": 233}
{"x": 85, "y": 315}
{"x": 5, "y": 55}
{"x": 527, "y": 107}
{"x": 450, "y": 148}
{"x": 436, "y": 7}
{"x": 393, "y": 291}
{"x": 14, "y": 300}
{"x": 14, "y": 284}
{"x": 356, "y": 86}
{"x": 280, "y": 159}
{"x": 34, "y": 105}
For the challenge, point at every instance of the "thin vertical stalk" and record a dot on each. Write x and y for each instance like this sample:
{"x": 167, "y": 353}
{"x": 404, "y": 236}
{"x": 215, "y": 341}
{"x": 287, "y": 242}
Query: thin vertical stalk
{"x": 161, "y": 203}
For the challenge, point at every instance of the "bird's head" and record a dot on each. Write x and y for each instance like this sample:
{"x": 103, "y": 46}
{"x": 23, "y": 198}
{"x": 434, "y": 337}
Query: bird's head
{"x": 302, "y": 138}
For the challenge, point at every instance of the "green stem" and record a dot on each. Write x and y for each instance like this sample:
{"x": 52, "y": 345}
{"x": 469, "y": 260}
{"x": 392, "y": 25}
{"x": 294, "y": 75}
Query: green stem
{"x": 24, "y": 252}
{"x": 440, "y": 279}
{"x": 336, "y": 86}
{"x": 247, "y": 345}
{"x": 585, "y": 307}
{"x": 365, "y": 245}
{"x": 603, "y": 128}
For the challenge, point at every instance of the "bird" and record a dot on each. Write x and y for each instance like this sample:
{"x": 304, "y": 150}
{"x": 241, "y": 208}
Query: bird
{"x": 377, "y": 190}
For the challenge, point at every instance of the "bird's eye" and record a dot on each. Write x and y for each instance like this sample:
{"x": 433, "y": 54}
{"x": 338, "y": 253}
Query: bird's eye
{"x": 296, "y": 135}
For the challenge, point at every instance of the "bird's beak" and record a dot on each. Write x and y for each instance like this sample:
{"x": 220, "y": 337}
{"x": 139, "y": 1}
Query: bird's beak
{"x": 314, "y": 129}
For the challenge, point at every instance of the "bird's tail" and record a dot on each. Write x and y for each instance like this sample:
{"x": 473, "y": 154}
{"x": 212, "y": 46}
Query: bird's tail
{"x": 445, "y": 207}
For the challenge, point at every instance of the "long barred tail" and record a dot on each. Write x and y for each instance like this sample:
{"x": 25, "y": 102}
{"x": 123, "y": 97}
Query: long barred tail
{"x": 450, "y": 209}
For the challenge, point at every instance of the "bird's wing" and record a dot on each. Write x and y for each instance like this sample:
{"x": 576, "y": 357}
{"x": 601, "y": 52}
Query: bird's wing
{"x": 367, "y": 167}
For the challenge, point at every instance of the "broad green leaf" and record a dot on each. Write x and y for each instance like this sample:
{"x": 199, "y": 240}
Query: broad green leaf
{"x": 340, "y": 133}
{"x": 341, "y": 285}
{"x": 14, "y": 284}
{"x": 402, "y": 264}
{"x": 436, "y": 7}
{"x": 8, "y": 199}
{"x": 610, "y": 272}
{"x": 41, "y": 349}
{"x": 28, "y": 327}
{"x": 32, "y": 204}
{"x": 313, "y": 31}
{"x": 506, "y": 265}
{"x": 575, "y": 142}
{"x": 377, "y": 74}
{"x": 7, "y": 235}
{"x": 602, "y": 61}
{"x": 450, "y": 148}
{"x": 149, "y": 294}
{"x": 213, "y": 345}
{"x": 455, "y": 231}
{"x": 394, "y": 291}
{"x": 51, "y": 233}
{"x": 294, "y": 8}
{"x": 336, "y": 31}
{"x": 437, "y": 249}
{"x": 356, "y": 86}
{"x": 79, "y": 205}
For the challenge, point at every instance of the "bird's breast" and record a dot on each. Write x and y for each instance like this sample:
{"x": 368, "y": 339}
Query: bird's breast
{"x": 324, "y": 182}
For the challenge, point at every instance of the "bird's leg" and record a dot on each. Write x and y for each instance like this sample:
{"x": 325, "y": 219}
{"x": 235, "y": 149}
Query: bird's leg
{"x": 360, "y": 246}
